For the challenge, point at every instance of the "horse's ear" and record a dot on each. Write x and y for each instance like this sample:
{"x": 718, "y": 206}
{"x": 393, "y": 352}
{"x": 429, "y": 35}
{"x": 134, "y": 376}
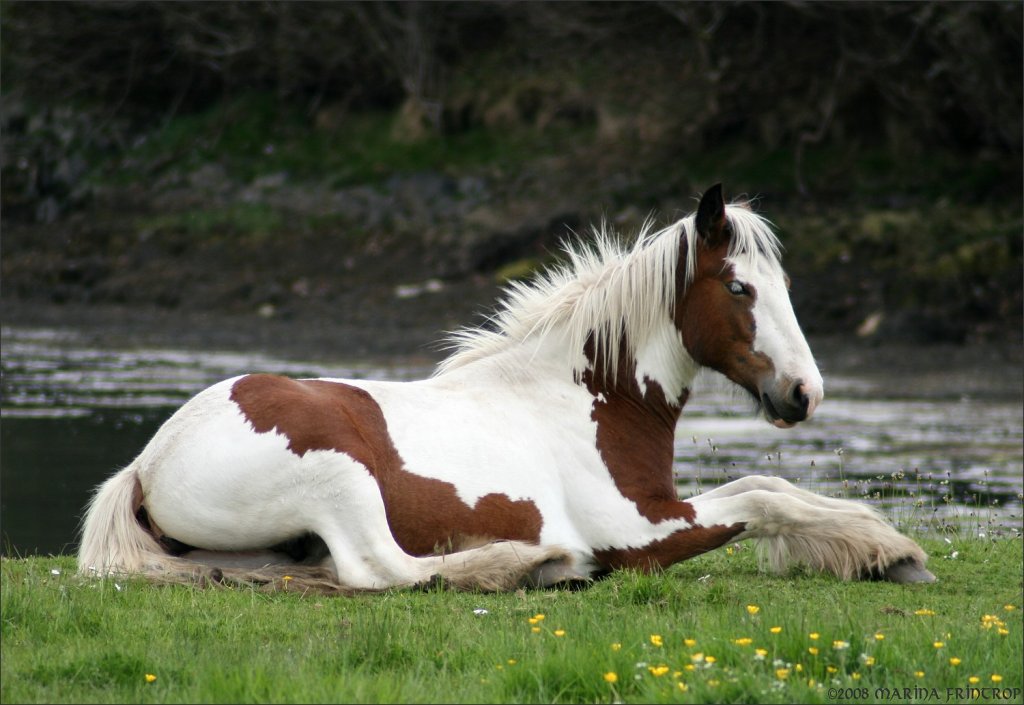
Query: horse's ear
{"x": 711, "y": 223}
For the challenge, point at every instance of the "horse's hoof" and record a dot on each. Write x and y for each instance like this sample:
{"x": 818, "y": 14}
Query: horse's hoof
{"x": 908, "y": 571}
{"x": 434, "y": 582}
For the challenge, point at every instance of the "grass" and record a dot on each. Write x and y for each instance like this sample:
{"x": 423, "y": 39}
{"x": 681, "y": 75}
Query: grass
{"x": 691, "y": 634}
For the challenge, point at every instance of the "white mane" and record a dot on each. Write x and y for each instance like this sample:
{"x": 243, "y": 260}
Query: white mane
{"x": 606, "y": 290}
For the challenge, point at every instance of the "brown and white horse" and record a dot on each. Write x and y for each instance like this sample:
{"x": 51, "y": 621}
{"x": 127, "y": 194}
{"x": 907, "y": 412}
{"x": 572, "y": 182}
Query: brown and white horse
{"x": 539, "y": 452}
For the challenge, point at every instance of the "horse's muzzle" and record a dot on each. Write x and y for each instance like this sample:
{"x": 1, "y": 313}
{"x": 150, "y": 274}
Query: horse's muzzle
{"x": 794, "y": 404}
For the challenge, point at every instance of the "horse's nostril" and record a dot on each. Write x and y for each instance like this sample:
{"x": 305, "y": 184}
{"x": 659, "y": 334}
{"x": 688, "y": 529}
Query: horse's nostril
{"x": 800, "y": 397}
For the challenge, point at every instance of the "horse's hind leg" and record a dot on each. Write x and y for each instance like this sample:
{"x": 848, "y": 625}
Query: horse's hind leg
{"x": 848, "y": 539}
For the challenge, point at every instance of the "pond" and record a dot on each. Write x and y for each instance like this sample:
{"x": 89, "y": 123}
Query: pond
{"x": 936, "y": 449}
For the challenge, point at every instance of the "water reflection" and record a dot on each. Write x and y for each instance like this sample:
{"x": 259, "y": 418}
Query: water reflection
{"x": 72, "y": 414}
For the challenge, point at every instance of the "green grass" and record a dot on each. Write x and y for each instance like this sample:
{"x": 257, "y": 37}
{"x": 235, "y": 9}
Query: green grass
{"x": 68, "y": 640}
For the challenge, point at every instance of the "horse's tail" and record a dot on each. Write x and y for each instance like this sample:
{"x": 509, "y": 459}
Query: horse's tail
{"x": 113, "y": 540}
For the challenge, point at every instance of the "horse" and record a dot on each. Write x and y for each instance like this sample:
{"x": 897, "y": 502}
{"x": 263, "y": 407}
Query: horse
{"x": 539, "y": 452}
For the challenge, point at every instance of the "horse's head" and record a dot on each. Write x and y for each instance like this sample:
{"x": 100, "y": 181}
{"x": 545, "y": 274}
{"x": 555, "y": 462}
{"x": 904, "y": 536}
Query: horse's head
{"x": 735, "y": 315}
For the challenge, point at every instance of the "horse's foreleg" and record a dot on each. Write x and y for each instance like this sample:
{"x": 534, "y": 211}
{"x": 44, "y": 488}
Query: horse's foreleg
{"x": 846, "y": 538}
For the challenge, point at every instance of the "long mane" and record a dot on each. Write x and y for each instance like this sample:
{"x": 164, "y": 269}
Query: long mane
{"x": 606, "y": 290}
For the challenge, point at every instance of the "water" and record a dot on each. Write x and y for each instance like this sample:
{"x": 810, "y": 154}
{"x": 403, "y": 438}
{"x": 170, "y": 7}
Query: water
{"x": 933, "y": 456}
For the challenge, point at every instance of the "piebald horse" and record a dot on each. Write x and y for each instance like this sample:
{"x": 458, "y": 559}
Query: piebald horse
{"x": 538, "y": 453}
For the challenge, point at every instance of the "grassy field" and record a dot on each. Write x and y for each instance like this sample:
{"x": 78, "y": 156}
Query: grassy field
{"x": 713, "y": 629}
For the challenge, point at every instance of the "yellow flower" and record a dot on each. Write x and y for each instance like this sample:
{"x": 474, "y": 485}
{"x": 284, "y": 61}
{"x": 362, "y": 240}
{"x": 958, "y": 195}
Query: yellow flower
{"x": 760, "y": 653}
{"x": 656, "y": 639}
{"x": 855, "y": 676}
{"x": 869, "y": 661}
{"x": 839, "y": 645}
{"x": 812, "y": 650}
{"x": 539, "y": 617}
{"x": 1009, "y": 608}
{"x": 682, "y": 686}
{"x": 616, "y": 646}
{"x": 690, "y": 642}
{"x": 728, "y": 550}
{"x": 697, "y": 657}
{"x": 775, "y": 630}
{"x": 611, "y": 677}
{"x": 782, "y": 673}
{"x": 743, "y": 641}
{"x": 689, "y": 667}
{"x": 150, "y": 678}
{"x": 512, "y": 662}
{"x": 973, "y": 680}
{"x": 287, "y": 578}
{"x": 709, "y": 659}
{"x": 919, "y": 674}
{"x": 533, "y": 620}
{"x": 814, "y": 636}
{"x": 879, "y": 636}
{"x": 676, "y": 674}
{"x": 831, "y": 669}
{"x": 658, "y": 671}
{"x": 954, "y": 661}
{"x": 1003, "y": 632}
{"x": 559, "y": 632}
{"x": 753, "y": 609}
{"x": 938, "y": 644}
{"x": 535, "y": 630}
{"x": 799, "y": 668}
{"x": 924, "y": 612}
{"x": 996, "y": 678}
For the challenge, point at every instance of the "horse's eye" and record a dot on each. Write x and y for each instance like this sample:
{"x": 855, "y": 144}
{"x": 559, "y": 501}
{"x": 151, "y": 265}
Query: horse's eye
{"x": 737, "y": 288}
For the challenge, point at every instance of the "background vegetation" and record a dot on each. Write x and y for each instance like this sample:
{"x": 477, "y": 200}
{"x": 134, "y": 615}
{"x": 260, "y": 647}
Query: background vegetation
{"x": 267, "y": 156}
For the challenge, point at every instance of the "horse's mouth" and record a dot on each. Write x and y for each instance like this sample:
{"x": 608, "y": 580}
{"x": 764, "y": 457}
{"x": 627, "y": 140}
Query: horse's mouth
{"x": 774, "y": 417}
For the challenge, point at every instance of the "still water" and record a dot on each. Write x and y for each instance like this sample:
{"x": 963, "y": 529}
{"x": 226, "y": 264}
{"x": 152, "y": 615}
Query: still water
{"x": 73, "y": 413}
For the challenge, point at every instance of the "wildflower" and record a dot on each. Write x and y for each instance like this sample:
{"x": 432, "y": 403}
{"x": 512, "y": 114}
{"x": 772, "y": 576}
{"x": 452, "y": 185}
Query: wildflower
{"x": 812, "y": 650}
{"x": 954, "y": 661}
{"x": 1003, "y": 632}
{"x": 287, "y": 579}
{"x": 813, "y": 636}
{"x": 689, "y": 667}
{"x": 150, "y": 678}
{"x": 533, "y": 620}
{"x": 616, "y": 646}
{"x": 973, "y": 680}
{"x": 782, "y": 673}
{"x": 879, "y": 636}
{"x": 919, "y": 674}
{"x": 996, "y": 678}
{"x": 743, "y": 641}
{"x": 690, "y": 642}
{"x": 697, "y": 657}
{"x": 611, "y": 677}
{"x": 709, "y": 660}
{"x": 682, "y": 686}
{"x": 759, "y": 654}
{"x": 559, "y": 632}
{"x": 539, "y": 617}
{"x": 799, "y": 668}
{"x": 753, "y": 609}
{"x": 938, "y": 644}
{"x": 831, "y": 669}
{"x": 855, "y": 676}
{"x": 656, "y": 639}
{"x": 714, "y": 682}
{"x": 535, "y": 630}
{"x": 924, "y": 612}
{"x": 1009, "y": 608}
{"x": 658, "y": 671}
{"x": 869, "y": 660}
{"x": 775, "y": 630}
{"x": 839, "y": 645}
{"x": 512, "y": 662}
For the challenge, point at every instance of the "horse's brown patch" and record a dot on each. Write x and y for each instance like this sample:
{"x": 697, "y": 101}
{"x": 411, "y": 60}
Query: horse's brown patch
{"x": 425, "y": 514}
{"x": 635, "y": 437}
{"x": 677, "y": 546}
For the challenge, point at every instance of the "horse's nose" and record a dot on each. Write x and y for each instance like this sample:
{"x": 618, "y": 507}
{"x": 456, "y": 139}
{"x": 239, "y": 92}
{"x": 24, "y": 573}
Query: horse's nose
{"x": 800, "y": 398}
